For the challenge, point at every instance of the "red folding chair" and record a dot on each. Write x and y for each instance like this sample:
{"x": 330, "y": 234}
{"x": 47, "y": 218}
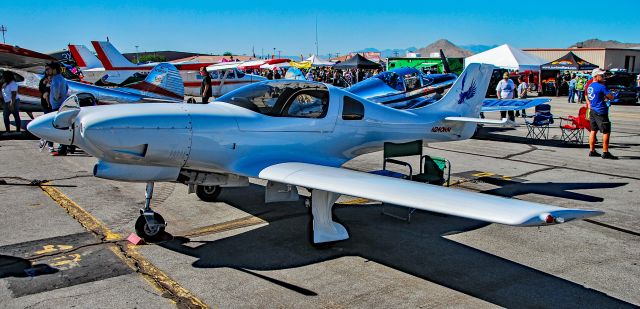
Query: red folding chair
{"x": 573, "y": 127}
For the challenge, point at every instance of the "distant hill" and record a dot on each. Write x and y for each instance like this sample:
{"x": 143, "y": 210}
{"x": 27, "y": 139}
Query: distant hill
{"x": 450, "y": 49}
{"x": 476, "y": 49}
{"x": 167, "y": 54}
{"x": 596, "y": 43}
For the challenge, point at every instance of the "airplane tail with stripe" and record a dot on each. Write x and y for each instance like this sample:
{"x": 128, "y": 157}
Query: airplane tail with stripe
{"x": 110, "y": 56}
{"x": 84, "y": 58}
{"x": 163, "y": 83}
{"x": 460, "y": 107}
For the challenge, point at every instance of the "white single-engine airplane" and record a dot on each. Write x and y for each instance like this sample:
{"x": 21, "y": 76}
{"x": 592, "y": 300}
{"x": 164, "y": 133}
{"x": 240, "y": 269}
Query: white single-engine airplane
{"x": 115, "y": 69}
{"x": 291, "y": 133}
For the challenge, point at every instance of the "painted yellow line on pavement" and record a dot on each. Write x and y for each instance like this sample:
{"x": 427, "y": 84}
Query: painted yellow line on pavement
{"x": 179, "y": 295}
{"x": 168, "y": 287}
{"x": 85, "y": 218}
{"x": 225, "y": 226}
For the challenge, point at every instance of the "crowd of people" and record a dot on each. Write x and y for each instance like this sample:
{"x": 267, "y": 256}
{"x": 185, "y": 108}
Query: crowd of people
{"x": 329, "y": 75}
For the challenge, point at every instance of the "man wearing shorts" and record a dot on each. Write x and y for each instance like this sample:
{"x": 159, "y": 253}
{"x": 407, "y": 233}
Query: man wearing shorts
{"x": 597, "y": 92}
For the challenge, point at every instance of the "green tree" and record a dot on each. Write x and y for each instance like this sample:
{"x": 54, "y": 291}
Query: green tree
{"x": 227, "y": 53}
{"x": 152, "y": 58}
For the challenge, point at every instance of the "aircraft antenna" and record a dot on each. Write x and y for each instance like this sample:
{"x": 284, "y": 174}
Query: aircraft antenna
{"x": 316, "y": 35}
{"x": 3, "y": 29}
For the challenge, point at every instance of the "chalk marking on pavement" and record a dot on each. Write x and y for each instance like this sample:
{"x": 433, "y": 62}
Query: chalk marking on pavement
{"x": 168, "y": 287}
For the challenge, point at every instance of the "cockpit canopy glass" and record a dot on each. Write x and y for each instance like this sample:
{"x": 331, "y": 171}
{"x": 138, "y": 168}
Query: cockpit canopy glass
{"x": 391, "y": 79}
{"x": 282, "y": 98}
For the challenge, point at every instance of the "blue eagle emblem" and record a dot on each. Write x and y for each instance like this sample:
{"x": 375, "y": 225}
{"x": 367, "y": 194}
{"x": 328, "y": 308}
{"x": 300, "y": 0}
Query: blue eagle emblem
{"x": 470, "y": 93}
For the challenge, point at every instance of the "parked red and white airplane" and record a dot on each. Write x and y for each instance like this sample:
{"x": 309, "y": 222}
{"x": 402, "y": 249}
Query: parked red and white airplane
{"x": 117, "y": 69}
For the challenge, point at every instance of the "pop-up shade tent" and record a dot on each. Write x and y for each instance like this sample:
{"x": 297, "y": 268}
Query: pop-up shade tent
{"x": 319, "y": 62}
{"x": 569, "y": 62}
{"x": 359, "y": 62}
{"x": 507, "y": 57}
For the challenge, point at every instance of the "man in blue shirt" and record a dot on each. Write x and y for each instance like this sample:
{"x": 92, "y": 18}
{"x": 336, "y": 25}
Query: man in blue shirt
{"x": 597, "y": 92}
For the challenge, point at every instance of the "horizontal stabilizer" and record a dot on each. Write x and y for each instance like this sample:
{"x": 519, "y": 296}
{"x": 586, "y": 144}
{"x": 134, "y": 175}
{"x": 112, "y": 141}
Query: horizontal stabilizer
{"x": 495, "y": 105}
{"x": 412, "y": 194}
{"x": 476, "y": 120}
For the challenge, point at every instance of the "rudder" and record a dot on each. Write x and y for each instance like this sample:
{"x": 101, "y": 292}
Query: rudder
{"x": 84, "y": 58}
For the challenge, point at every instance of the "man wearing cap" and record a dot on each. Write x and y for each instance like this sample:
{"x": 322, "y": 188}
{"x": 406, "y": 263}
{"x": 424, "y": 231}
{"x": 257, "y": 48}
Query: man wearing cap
{"x": 205, "y": 87}
{"x": 597, "y": 92}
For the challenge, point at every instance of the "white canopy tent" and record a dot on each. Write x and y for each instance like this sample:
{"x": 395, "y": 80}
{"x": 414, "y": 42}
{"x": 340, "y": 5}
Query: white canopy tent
{"x": 319, "y": 62}
{"x": 507, "y": 57}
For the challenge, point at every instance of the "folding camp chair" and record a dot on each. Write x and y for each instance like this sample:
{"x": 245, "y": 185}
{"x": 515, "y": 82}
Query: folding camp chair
{"x": 432, "y": 169}
{"x": 539, "y": 126}
{"x": 573, "y": 127}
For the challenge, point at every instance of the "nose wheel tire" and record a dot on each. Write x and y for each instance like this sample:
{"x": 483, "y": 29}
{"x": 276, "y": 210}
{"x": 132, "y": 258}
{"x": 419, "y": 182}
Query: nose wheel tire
{"x": 191, "y": 100}
{"x": 150, "y": 233}
{"x": 208, "y": 193}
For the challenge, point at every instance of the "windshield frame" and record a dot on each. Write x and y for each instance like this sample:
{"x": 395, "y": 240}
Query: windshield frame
{"x": 273, "y": 98}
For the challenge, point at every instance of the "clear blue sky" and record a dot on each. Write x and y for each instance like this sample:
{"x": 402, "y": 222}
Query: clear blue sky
{"x": 219, "y": 26}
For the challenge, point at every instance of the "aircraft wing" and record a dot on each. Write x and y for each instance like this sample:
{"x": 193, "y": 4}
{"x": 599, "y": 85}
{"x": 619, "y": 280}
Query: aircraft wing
{"x": 422, "y": 196}
{"x": 495, "y": 105}
{"x": 225, "y": 65}
{"x": 24, "y": 59}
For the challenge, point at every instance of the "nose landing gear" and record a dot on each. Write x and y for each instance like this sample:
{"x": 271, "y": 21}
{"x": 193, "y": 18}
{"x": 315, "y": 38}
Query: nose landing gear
{"x": 150, "y": 224}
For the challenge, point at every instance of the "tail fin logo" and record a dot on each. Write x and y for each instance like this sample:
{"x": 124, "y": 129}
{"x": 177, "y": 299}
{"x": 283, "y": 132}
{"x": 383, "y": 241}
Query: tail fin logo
{"x": 469, "y": 93}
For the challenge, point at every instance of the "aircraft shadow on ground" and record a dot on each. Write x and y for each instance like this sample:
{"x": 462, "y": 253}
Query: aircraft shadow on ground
{"x": 493, "y": 134}
{"x": 11, "y": 266}
{"x": 417, "y": 248}
{"x": 509, "y": 188}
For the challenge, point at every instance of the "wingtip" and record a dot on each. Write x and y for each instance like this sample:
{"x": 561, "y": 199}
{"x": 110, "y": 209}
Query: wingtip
{"x": 561, "y": 216}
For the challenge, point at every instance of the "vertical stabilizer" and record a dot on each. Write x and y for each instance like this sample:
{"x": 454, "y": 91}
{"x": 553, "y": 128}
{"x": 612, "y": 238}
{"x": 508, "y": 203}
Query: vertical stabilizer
{"x": 163, "y": 82}
{"x": 111, "y": 57}
{"x": 465, "y": 97}
{"x": 84, "y": 58}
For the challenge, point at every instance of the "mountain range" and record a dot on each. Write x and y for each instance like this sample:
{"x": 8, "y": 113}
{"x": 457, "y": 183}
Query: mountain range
{"x": 450, "y": 49}
{"x": 596, "y": 43}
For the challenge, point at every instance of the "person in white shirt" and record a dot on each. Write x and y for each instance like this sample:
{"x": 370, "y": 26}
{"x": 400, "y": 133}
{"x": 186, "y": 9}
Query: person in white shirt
{"x": 10, "y": 102}
{"x": 504, "y": 91}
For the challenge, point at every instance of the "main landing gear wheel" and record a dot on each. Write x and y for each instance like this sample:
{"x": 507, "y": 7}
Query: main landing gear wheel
{"x": 191, "y": 100}
{"x": 208, "y": 193}
{"x": 150, "y": 233}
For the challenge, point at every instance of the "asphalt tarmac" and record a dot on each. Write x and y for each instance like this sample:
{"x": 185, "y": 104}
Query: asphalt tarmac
{"x": 63, "y": 235}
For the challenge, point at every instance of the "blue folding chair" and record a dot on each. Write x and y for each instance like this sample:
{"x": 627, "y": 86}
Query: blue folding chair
{"x": 539, "y": 126}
